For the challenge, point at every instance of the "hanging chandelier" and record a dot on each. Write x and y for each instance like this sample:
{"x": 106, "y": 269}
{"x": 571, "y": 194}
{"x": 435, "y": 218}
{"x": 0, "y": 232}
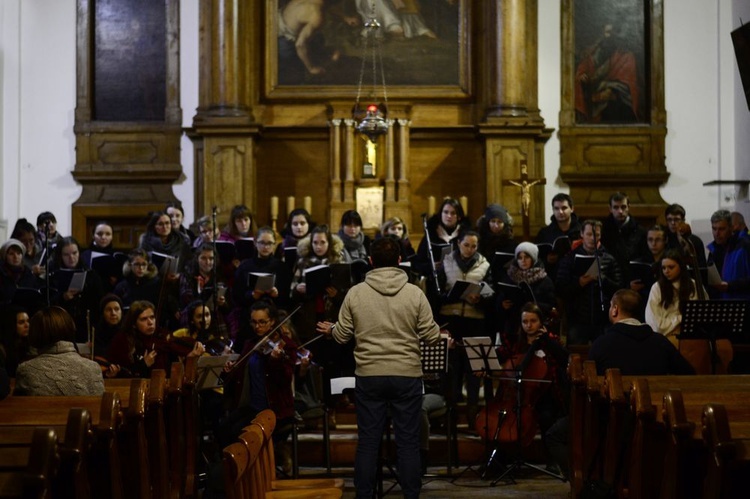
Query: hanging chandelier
{"x": 371, "y": 121}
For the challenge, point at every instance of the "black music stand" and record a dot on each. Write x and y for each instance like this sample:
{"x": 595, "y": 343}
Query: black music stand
{"x": 713, "y": 320}
{"x": 518, "y": 382}
{"x": 435, "y": 366}
{"x": 482, "y": 359}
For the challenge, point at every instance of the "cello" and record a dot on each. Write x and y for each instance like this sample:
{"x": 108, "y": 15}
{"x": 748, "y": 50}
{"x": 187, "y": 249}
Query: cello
{"x": 512, "y": 416}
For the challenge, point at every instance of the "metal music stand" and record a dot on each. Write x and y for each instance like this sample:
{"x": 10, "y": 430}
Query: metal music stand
{"x": 482, "y": 359}
{"x": 713, "y": 320}
{"x": 435, "y": 366}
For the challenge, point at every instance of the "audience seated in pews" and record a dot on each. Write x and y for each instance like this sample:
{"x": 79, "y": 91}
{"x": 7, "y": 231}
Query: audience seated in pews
{"x": 633, "y": 347}
{"x": 58, "y": 369}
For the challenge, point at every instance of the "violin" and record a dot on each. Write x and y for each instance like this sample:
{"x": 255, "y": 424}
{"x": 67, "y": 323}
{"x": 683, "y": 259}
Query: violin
{"x": 529, "y": 373}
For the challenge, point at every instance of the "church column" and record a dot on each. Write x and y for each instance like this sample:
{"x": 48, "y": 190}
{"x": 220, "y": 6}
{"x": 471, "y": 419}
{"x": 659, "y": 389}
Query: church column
{"x": 403, "y": 160}
{"x": 390, "y": 176}
{"x": 335, "y": 160}
{"x": 505, "y": 25}
{"x": 349, "y": 149}
{"x": 224, "y": 131}
{"x": 511, "y": 126}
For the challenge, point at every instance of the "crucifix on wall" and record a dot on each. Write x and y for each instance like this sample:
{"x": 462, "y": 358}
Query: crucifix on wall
{"x": 525, "y": 183}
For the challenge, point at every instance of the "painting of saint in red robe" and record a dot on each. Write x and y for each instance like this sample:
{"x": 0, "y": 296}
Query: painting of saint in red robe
{"x": 609, "y": 85}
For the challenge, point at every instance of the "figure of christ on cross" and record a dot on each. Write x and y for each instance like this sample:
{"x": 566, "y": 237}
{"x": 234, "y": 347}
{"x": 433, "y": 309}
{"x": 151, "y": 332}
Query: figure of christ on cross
{"x": 525, "y": 183}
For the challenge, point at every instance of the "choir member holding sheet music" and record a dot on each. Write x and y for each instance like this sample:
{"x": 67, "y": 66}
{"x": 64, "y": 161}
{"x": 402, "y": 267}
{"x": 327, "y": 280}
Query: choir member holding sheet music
{"x": 298, "y": 225}
{"x": 25, "y": 232}
{"x": 161, "y": 239}
{"x": 14, "y": 274}
{"x": 75, "y": 287}
{"x": 263, "y": 277}
{"x": 495, "y": 229}
{"x": 141, "y": 280}
{"x": 321, "y": 249}
{"x": 102, "y": 257}
{"x": 239, "y": 231}
{"x": 578, "y": 284}
{"x": 199, "y": 282}
{"x": 442, "y": 230}
{"x": 397, "y": 228}
{"x": 464, "y": 313}
{"x": 524, "y": 281}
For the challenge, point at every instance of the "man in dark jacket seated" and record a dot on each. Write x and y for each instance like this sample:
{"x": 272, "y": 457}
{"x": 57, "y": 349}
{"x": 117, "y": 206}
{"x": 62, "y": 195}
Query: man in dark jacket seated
{"x": 633, "y": 347}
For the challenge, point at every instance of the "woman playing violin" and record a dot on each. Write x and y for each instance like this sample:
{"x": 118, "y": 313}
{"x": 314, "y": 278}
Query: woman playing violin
{"x": 139, "y": 347}
{"x": 201, "y": 329}
{"x": 263, "y": 380}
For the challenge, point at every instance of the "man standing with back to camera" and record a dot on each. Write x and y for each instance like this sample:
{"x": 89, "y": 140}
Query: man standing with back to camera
{"x": 387, "y": 317}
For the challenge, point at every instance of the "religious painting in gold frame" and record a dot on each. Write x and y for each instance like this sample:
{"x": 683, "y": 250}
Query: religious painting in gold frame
{"x": 623, "y": 150}
{"x": 425, "y": 48}
{"x": 611, "y": 75}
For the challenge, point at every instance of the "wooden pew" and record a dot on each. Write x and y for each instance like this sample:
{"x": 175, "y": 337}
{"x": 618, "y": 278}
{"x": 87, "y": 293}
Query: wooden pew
{"x": 84, "y": 427}
{"x": 191, "y": 421}
{"x": 662, "y": 452}
{"x": 28, "y": 472}
{"x": 729, "y": 458}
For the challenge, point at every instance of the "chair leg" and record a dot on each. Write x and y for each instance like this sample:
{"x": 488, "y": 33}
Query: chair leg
{"x": 327, "y": 440}
{"x": 295, "y": 448}
{"x": 449, "y": 438}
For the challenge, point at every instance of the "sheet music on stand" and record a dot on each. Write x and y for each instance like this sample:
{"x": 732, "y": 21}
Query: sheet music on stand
{"x": 481, "y": 353}
{"x": 209, "y": 370}
{"x": 434, "y": 357}
{"x": 717, "y": 319}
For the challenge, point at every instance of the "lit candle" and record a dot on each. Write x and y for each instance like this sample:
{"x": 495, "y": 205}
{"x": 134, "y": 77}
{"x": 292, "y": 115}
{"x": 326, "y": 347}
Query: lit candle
{"x": 308, "y": 204}
{"x": 274, "y": 207}
{"x": 464, "y": 204}
{"x": 289, "y": 204}
{"x": 431, "y": 205}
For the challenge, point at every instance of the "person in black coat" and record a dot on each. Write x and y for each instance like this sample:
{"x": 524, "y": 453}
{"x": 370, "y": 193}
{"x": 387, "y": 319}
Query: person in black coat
{"x": 579, "y": 289}
{"x": 632, "y": 347}
{"x": 622, "y": 235}
{"x": 563, "y": 223}
{"x": 13, "y": 273}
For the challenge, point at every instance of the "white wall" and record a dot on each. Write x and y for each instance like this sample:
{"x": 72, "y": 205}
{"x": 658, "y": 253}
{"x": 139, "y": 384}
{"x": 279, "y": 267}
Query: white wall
{"x": 708, "y": 120}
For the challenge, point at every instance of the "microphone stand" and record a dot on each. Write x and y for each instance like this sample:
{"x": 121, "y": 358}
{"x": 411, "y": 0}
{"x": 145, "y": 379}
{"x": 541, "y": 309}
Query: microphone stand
{"x": 599, "y": 269}
{"x": 46, "y": 264}
{"x": 429, "y": 250}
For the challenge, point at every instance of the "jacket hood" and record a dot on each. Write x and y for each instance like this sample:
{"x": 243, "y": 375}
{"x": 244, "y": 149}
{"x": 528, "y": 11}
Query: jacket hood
{"x": 151, "y": 270}
{"x": 304, "y": 248}
{"x": 387, "y": 280}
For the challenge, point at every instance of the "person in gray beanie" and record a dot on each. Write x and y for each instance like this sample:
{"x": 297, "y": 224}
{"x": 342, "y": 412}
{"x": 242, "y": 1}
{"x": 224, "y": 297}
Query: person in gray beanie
{"x": 13, "y": 273}
{"x": 525, "y": 281}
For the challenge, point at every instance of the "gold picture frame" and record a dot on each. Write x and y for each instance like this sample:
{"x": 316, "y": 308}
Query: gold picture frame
{"x": 438, "y": 60}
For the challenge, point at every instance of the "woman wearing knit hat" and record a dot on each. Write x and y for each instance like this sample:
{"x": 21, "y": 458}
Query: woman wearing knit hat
{"x": 13, "y": 273}
{"x": 525, "y": 281}
{"x": 495, "y": 229}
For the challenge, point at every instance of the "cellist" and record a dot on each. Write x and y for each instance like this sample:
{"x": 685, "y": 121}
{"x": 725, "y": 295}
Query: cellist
{"x": 540, "y": 356}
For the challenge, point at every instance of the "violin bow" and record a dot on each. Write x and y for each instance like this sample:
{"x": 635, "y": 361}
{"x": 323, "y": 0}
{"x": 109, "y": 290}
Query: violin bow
{"x": 264, "y": 339}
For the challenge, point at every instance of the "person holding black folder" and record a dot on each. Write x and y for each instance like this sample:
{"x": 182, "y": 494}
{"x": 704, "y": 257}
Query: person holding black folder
{"x": 443, "y": 229}
{"x": 102, "y": 243}
{"x": 321, "y": 249}
{"x": 298, "y": 225}
{"x": 13, "y": 273}
{"x": 75, "y": 287}
{"x": 578, "y": 285}
{"x": 245, "y": 291}
{"x": 525, "y": 281}
{"x": 464, "y": 313}
{"x": 495, "y": 228}
{"x": 160, "y": 238}
{"x": 141, "y": 280}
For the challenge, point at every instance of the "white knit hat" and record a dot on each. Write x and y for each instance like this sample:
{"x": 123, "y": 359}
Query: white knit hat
{"x": 530, "y": 249}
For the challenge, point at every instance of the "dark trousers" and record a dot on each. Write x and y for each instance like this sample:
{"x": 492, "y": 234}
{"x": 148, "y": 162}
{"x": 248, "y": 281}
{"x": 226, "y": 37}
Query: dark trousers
{"x": 374, "y": 395}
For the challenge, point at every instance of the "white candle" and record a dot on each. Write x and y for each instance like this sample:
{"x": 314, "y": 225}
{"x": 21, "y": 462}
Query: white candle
{"x": 274, "y": 207}
{"x": 464, "y": 204}
{"x": 430, "y": 205}
{"x": 289, "y": 204}
{"x": 308, "y": 204}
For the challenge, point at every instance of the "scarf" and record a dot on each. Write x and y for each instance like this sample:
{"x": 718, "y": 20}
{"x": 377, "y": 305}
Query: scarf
{"x": 530, "y": 276}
